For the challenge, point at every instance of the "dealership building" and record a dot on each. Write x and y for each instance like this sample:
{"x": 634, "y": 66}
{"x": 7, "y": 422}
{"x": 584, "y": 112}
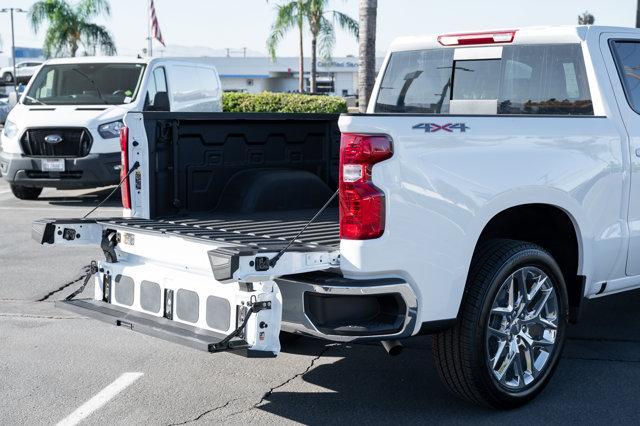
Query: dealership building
{"x": 258, "y": 74}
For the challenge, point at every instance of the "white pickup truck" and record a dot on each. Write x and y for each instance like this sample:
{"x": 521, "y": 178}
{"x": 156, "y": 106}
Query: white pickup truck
{"x": 491, "y": 187}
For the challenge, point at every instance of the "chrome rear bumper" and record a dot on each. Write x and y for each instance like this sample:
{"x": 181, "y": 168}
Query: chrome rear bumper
{"x": 335, "y": 308}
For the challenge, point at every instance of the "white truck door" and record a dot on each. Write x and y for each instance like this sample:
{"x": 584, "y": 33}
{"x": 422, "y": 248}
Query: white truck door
{"x": 622, "y": 58}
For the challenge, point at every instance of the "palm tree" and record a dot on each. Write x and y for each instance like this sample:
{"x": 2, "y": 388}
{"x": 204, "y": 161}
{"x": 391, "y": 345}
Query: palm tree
{"x": 290, "y": 15}
{"x": 70, "y": 26}
{"x": 322, "y": 28}
{"x": 367, "y": 51}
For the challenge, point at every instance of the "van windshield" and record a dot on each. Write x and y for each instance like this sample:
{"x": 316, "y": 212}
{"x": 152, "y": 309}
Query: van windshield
{"x": 85, "y": 84}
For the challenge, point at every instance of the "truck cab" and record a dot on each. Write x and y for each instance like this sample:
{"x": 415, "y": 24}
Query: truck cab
{"x": 64, "y": 131}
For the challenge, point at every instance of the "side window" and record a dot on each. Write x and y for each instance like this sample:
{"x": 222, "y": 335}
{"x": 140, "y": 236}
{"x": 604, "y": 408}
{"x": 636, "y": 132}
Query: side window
{"x": 194, "y": 89}
{"x": 161, "y": 79}
{"x": 157, "y": 96}
{"x": 416, "y": 81}
{"x": 549, "y": 79}
{"x": 627, "y": 57}
{"x": 46, "y": 90}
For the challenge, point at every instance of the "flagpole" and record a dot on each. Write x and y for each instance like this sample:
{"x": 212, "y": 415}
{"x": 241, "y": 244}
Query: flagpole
{"x": 150, "y": 45}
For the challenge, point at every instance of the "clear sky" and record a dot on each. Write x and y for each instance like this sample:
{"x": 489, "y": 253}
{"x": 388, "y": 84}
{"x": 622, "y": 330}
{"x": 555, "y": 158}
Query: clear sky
{"x": 223, "y": 24}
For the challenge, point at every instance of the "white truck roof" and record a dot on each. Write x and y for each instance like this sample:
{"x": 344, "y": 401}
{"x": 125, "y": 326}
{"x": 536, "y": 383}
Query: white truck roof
{"x": 525, "y": 35}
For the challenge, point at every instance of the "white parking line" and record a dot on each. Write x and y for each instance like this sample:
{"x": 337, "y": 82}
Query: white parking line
{"x": 106, "y": 394}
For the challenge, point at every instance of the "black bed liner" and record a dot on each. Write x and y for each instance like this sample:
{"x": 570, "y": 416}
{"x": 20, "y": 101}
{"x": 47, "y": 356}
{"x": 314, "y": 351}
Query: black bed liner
{"x": 244, "y": 229}
{"x": 194, "y": 156}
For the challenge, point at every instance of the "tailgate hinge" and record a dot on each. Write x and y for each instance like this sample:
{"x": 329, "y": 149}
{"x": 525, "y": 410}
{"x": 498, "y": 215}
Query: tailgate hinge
{"x": 228, "y": 343}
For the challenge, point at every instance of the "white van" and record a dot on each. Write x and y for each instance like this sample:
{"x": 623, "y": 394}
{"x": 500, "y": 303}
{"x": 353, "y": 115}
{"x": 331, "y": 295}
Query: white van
{"x": 64, "y": 131}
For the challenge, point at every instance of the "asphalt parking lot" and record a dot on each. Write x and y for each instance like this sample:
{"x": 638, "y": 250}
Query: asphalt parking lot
{"x": 52, "y": 362}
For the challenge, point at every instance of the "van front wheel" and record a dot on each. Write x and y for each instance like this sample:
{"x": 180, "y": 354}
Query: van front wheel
{"x": 25, "y": 192}
{"x": 511, "y": 327}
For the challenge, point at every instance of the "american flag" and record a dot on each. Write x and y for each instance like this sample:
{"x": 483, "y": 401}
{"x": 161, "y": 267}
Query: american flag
{"x": 155, "y": 27}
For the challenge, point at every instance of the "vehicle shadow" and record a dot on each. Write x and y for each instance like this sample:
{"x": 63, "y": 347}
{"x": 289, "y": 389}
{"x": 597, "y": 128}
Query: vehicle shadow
{"x": 598, "y": 380}
{"x": 87, "y": 199}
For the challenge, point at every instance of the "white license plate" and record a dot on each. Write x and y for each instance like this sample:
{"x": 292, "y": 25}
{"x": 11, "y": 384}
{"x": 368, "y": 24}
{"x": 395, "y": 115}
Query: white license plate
{"x": 53, "y": 165}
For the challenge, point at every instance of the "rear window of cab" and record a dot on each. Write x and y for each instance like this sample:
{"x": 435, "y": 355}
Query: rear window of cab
{"x": 528, "y": 79}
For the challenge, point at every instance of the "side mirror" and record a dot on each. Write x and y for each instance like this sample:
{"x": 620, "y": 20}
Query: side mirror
{"x": 13, "y": 99}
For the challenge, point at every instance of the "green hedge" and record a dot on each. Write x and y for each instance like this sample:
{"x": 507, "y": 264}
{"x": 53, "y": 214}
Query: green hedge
{"x": 281, "y": 102}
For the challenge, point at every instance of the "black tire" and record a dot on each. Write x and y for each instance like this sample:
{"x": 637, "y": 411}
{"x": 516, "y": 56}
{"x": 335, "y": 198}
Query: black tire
{"x": 7, "y": 78}
{"x": 461, "y": 354}
{"x": 25, "y": 192}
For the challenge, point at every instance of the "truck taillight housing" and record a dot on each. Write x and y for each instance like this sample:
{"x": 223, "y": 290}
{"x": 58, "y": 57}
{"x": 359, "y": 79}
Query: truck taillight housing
{"x": 124, "y": 167}
{"x": 362, "y": 205}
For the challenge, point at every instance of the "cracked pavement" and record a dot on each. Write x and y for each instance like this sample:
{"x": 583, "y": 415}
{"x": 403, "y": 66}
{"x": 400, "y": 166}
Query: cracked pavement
{"x": 53, "y": 361}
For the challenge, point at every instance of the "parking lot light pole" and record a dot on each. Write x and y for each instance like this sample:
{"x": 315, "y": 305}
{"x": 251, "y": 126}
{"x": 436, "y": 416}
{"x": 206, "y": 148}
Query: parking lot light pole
{"x": 13, "y": 41}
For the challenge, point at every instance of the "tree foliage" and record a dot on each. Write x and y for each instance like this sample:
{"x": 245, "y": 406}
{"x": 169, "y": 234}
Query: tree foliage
{"x": 289, "y": 16}
{"x": 321, "y": 22}
{"x": 70, "y": 26}
{"x": 586, "y": 18}
{"x": 282, "y": 102}
{"x": 322, "y": 25}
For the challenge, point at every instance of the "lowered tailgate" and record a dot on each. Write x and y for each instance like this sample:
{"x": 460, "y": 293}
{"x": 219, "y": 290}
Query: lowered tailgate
{"x": 205, "y": 283}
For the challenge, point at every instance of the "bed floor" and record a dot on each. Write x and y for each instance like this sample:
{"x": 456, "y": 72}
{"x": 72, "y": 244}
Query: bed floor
{"x": 252, "y": 229}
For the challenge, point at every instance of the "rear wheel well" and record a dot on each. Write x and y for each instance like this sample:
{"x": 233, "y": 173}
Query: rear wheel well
{"x": 549, "y": 227}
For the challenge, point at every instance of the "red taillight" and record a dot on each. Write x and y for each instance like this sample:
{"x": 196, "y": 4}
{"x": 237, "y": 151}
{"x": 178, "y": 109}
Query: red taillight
{"x": 124, "y": 167}
{"x": 490, "y": 37}
{"x": 362, "y": 205}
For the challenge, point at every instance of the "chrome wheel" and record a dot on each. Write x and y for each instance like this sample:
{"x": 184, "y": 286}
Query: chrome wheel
{"x": 522, "y": 328}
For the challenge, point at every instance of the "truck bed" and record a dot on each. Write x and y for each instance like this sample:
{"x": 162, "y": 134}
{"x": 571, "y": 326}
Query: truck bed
{"x": 244, "y": 229}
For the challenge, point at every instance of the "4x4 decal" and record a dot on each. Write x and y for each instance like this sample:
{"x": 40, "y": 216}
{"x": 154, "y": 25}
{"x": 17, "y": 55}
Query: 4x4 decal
{"x": 449, "y": 127}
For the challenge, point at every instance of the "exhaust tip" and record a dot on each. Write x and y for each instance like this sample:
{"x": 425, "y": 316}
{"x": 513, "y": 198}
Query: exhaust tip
{"x": 393, "y": 347}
